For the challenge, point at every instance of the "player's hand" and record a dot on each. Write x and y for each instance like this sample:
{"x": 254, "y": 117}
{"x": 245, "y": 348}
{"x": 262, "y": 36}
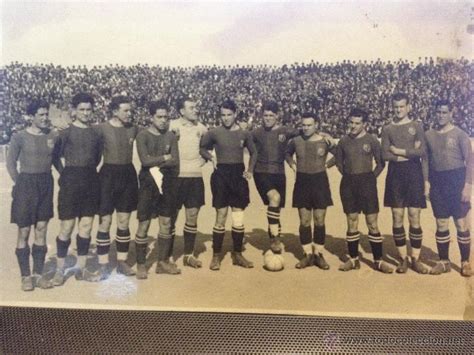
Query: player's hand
{"x": 417, "y": 144}
{"x": 176, "y": 132}
{"x": 329, "y": 141}
{"x": 214, "y": 162}
{"x": 395, "y": 150}
{"x": 466, "y": 193}
{"x": 247, "y": 175}
{"x": 427, "y": 190}
{"x": 167, "y": 157}
{"x": 400, "y": 158}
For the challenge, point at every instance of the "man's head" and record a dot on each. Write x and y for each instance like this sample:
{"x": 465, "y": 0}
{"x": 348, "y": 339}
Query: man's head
{"x": 308, "y": 124}
{"x": 159, "y": 115}
{"x": 444, "y": 112}
{"x": 228, "y": 113}
{"x": 38, "y": 110}
{"x": 82, "y": 106}
{"x": 357, "y": 120}
{"x": 187, "y": 108}
{"x": 270, "y": 114}
{"x": 401, "y": 105}
{"x": 121, "y": 108}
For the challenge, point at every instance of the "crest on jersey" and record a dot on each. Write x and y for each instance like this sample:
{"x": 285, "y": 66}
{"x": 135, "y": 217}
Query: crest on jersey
{"x": 412, "y": 131}
{"x": 242, "y": 143}
{"x": 321, "y": 152}
{"x": 451, "y": 143}
{"x": 50, "y": 143}
{"x": 281, "y": 138}
{"x": 167, "y": 148}
{"x": 366, "y": 148}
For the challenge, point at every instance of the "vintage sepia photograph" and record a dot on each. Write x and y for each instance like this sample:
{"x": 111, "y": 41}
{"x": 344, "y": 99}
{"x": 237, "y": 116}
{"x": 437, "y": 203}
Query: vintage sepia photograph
{"x": 273, "y": 157}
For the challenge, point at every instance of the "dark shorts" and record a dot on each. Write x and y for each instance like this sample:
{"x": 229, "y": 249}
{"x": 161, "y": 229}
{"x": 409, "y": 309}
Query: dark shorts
{"x": 151, "y": 201}
{"x": 266, "y": 182}
{"x": 445, "y": 193}
{"x": 312, "y": 191}
{"x": 79, "y": 192}
{"x": 359, "y": 193}
{"x": 229, "y": 187}
{"x": 189, "y": 191}
{"x": 118, "y": 189}
{"x": 32, "y": 199}
{"x": 404, "y": 186}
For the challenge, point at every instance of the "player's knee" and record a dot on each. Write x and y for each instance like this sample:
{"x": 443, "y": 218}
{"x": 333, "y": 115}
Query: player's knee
{"x": 274, "y": 198}
{"x": 442, "y": 224}
{"x": 237, "y": 218}
{"x": 461, "y": 224}
{"x": 85, "y": 225}
{"x": 105, "y": 221}
{"x": 123, "y": 220}
{"x": 192, "y": 215}
{"x": 41, "y": 227}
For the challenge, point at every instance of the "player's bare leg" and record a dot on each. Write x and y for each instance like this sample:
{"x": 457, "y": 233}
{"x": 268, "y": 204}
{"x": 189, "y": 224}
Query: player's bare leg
{"x": 442, "y": 243}
{"x": 464, "y": 242}
{"x": 273, "y": 215}
{"x": 165, "y": 245}
{"x": 416, "y": 237}
{"x": 399, "y": 236}
{"x": 375, "y": 240}
{"x": 306, "y": 217}
{"x": 218, "y": 237}
{"x": 352, "y": 237}
{"x": 141, "y": 242}
{"x": 189, "y": 235}
{"x": 103, "y": 245}
{"x": 23, "y": 256}
{"x": 38, "y": 252}
{"x": 238, "y": 238}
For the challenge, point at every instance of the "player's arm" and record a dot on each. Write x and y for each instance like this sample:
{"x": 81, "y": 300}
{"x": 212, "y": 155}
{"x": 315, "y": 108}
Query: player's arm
{"x": 12, "y": 157}
{"x": 252, "y": 152}
{"x": 57, "y": 153}
{"x": 290, "y": 151}
{"x": 145, "y": 157}
{"x": 340, "y": 157}
{"x": 174, "y": 154}
{"x": 100, "y": 144}
{"x": 387, "y": 153}
{"x": 207, "y": 144}
{"x": 377, "y": 152}
{"x": 466, "y": 150}
{"x": 419, "y": 149}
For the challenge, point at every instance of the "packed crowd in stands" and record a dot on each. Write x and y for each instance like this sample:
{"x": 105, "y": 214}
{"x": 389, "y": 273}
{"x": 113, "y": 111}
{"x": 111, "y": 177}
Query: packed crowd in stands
{"x": 330, "y": 90}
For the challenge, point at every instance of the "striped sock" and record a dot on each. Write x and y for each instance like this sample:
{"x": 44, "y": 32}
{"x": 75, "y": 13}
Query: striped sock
{"x": 273, "y": 216}
{"x": 189, "y": 235}
{"x": 122, "y": 242}
{"x": 464, "y": 242}
{"x": 238, "y": 237}
{"x": 375, "y": 240}
{"x": 353, "y": 244}
{"x": 399, "y": 237}
{"x": 103, "y": 247}
{"x": 442, "y": 242}
{"x": 217, "y": 239}
{"x": 416, "y": 236}
{"x": 141, "y": 243}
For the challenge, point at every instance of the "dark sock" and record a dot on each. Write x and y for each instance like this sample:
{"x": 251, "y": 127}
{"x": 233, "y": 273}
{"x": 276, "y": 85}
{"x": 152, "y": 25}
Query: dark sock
{"x": 62, "y": 247}
{"x": 399, "y": 236}
{"x": 23, "y": 257}
{"x": 416, "y": 236}
{"x": 217, "y": 239}
{"x": 305, "y": 235}
{"x": 39, "y": 255}
{"x": 464, "y": 242}
{"x": 238, "y": 238}
{"x": 442, "y": 242}
{"x": 353, "y": 244}
{"x": 319, "y": 235}
{"x": 83, "y": 245}
{"x": 189, "y": 236}
{"x": 103, "y": 243}
{"x": 123, "y": 240}
{"x": 375, "y": 240}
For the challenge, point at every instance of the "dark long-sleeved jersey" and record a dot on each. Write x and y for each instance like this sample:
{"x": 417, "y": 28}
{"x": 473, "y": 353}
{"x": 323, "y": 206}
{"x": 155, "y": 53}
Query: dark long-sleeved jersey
{"x": 152, "y": 149}
{"x": 80, "y": 147}
{"x": 311, "y": 155}
{"x": 117, "y": 143}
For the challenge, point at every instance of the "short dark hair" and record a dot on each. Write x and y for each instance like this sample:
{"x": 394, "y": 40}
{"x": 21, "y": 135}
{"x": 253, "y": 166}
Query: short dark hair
{"x": 35, "y": 105}
{"x": 358, "y": 112}
{"x": 157, "y": 105}
{"x": 309, "y": 114}
{"x": 117, "y": 101}
{"x": 399, "y": 96}
{"x": 229, "y": 105}
{"x": 181, "y": 102}
{"x": 443, "y": 102}
{"x": 270, "y": 106}
{"x": 80, "y": 98}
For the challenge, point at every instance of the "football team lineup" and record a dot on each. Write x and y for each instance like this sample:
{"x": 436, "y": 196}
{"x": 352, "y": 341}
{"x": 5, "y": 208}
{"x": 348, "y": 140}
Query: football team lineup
{"x": 174, "y": 176}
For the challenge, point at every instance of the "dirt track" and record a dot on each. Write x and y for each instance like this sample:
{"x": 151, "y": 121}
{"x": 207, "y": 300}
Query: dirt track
{"x": 310, "y": 291}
